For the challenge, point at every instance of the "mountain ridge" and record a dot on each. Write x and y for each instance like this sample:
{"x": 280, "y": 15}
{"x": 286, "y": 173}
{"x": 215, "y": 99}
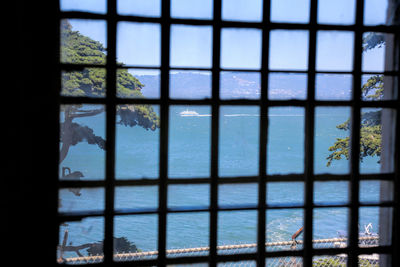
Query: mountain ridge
{"x": 247, "y": 85}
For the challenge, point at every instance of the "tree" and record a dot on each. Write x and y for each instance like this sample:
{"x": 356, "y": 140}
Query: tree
{"x": 90, "y": 82}
{"x": 370, "y": 128}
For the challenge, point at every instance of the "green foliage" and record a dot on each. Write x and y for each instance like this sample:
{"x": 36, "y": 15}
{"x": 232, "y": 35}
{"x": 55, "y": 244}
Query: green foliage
{"x": 79, "y": 49}
{"x": 370, "y": 144}
{"x": 373, "y": 88}
{"x": 142, "y": 115}
{"x": 340, "y": 149}
{"x": 91, "y": 82}
{"x": 370, "y": 129}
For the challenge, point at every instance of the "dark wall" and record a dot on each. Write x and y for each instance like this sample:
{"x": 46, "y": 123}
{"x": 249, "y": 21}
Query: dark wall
{"x": 30, "y": 122}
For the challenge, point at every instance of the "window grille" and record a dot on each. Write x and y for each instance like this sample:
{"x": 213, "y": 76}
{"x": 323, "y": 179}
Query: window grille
{"x": 255, "y": 254}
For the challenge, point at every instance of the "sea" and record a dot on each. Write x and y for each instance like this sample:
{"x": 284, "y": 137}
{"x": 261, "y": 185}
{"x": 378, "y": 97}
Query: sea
{"x": 189, "y": 156}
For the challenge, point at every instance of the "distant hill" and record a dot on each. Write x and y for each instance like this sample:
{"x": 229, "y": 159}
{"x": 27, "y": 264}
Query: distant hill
{"x": 233, "y": 85}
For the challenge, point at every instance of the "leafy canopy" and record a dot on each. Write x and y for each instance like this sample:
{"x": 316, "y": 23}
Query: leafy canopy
{"x": 370, "y": 128}
{"x": 91, "y": 82}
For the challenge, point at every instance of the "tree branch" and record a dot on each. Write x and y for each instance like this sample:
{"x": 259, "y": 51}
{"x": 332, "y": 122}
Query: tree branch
{"x": 86, "y": 113}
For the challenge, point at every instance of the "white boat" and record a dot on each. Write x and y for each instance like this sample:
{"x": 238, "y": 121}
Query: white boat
{"x": 188, "y": 113}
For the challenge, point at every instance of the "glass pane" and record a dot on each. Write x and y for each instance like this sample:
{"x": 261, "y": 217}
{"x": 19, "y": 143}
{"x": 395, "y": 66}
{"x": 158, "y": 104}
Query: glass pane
{"x": 136, "y": 197}
{"x": 374, "y": 47}
{"x": 334, "y": 51}
{"x": 192, "y": 9}
{"x": 377, "y": 140}
{"x": 240, "y": 48}
{"x": 291, "y": 11}
{"x": 137, "y": 142}
{"x": 290, "y": 193}
{"x": 238, "y": 140}
{"x": 190, "y": 195}
{"x": 138, "y": 83}
{"x": 191, "y": 46}
{"x": 371, "y": 140}
{"x": 136, "y": 236}
{"x": 337, "y": 260}
{"x": 375, "y": 226}
{"x": 237, "y": 228}
{"x": 234, "y": 85}
{"x": 330, "y": 223}
{"x": 375, "y": 12}
{"x": 189, "y": 142}
{"x": 284, "y": 226}
{"x": 92, "y": 6}
{"x": 138, "y": 44}
{"x": 143, "y": 8}
{"x": 83, "y": 41}
{"x": 333, "y": 86}
{"x": 288, "y": 50}
{"x": 190, "y": 84}
{"x": 285, "y": 261}
{"x": 366, "y": 260}
{"x": 331, "y": 192}
{"x": 78, "y": 240}
{"x": 242, "y": 10}
{"x": 375, "y": 191}
{"x": 336, "y": 12}
{"x": 237, "y": 195}
{"x": 285, "y": 86}
{"x": 81, "y": 199}
{"x": 187, "y": 230}
{"x": 377, "y": 87}
{"x": 370, "y": 191}
{"x": 285, "y": 140}
{"x": 332, "y": 139}
{"x": 90, "y": 82}
{"x": 82, "y": 142}
{"x": 237, "y": 264}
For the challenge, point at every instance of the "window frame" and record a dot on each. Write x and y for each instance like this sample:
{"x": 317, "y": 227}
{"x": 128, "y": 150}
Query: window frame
{"x": 262, "y": 179}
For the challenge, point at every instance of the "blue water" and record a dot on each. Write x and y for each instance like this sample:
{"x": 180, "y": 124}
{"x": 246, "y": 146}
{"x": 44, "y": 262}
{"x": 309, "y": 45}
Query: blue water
{"x": 137, "y": 156}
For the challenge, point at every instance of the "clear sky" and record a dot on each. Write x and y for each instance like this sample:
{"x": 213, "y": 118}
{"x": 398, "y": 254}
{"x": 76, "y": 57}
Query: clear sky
{"x": 191, "y": 46}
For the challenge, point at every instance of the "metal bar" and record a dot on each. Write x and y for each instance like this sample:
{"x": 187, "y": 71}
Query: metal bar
{"x": 63, "y": 184}
{"x": 355, "y": 139}
{"x": 80, "y": 215}
{"x": 309, "y": 137}
{"x": 262, "y": 185}
{"x": 110, "y": 131}
{"x": 164, "y": 126}
{"x": 216, "y": 47}
{"x": 67, "y": 67}
{"x": 233, "y": 24}
{"x": 233, "y": 102}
